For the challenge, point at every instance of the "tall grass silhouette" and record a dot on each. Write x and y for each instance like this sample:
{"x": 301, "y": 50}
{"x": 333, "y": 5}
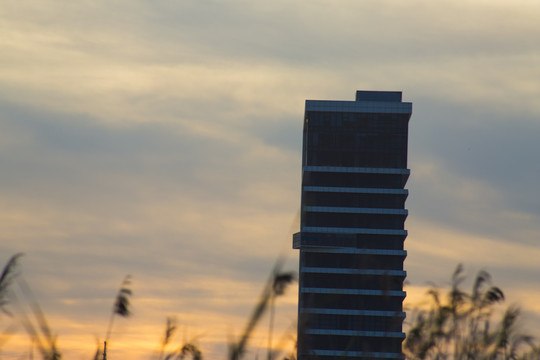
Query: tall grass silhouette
{"x": 44, "y": 340}
{"x": 274, "y": 287}
{"x": 6, "y": 280}
{"x": 120, "y": 308}
{"x": 34, "y": 321}
{"x": 458, "y": 324}
{"x": 463, "y": 325}
{"x": 37, "y": 326}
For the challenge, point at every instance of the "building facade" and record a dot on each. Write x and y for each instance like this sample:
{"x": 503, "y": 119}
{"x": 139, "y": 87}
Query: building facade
{"x": 354, "y": 170}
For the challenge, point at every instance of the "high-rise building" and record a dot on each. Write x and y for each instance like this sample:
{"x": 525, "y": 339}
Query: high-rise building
{"x": 354, "y": 170}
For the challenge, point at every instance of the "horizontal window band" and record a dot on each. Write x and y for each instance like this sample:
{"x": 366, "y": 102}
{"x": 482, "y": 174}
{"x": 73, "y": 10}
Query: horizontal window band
{"x": 352, "y": 312}
{"x": 352, "y": 210}
{"x": 337, "y": 189}
{"x": 355, "y": 354}
{"x": 363, "y": 170}
{"x": 306, "y": 240}
{"x": 337, "y": 230}
{"x": 357, "y": 251}
{"x": 326, "y": 270}
{"x": 386, "y": 334}
{"x": 312, "y": 290}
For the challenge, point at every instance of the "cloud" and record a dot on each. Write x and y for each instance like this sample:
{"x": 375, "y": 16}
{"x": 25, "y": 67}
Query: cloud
{"x": 163, "y": 140}
{"x": 161, "y": 55}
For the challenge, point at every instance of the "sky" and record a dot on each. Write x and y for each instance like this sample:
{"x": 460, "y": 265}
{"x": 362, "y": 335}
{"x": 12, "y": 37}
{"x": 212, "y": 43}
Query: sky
{"x": 162, "y": 139}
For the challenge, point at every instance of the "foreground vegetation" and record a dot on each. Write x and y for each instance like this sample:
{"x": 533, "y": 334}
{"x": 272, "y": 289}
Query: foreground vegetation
{"x": 463, "y": 325}
{"x": 457, "y": 325}
{"x": 43, "y": 339}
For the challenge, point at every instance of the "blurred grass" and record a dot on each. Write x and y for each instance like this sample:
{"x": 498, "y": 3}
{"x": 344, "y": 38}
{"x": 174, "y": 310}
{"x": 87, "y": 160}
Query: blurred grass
{"x": 44, "y": 341}
{"x": 458, "y": 324}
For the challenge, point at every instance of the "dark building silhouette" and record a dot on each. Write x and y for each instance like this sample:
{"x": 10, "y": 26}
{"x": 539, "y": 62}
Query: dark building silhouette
{"x": 354, "y": 170}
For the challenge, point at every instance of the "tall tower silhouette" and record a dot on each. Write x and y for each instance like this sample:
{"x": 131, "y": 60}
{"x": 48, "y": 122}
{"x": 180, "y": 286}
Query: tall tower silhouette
{"x": 354, "y": 170}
